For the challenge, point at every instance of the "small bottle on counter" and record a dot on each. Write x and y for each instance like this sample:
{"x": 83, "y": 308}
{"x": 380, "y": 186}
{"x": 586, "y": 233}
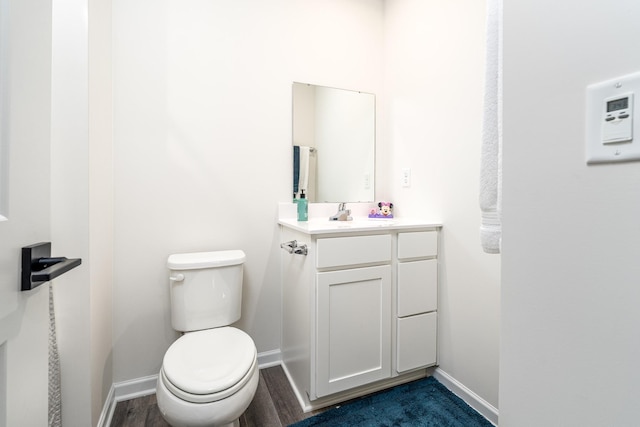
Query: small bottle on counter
{"x": 303, "y": 207}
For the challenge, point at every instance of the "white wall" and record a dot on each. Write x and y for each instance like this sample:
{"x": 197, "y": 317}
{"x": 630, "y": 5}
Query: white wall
{"x": 69, "y": 204}
{"x": 81, "y": 203}
{"x": 434, "y": 69}
{"x": 202, "y": 101}
{"x": 570, "y": 289}
{"x": 100, "y": 123}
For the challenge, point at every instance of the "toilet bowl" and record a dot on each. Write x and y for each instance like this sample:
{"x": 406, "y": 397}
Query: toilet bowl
{"x": 208, "y": 378}
{"x": 210, "y": 374}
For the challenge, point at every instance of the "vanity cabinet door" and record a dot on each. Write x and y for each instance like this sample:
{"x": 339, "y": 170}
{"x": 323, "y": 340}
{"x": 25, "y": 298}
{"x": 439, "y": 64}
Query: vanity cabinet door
{"x": 353, "y": 341}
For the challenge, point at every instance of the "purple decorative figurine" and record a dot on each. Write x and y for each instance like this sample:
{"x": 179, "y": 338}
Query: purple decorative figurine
{"x": 385, "y": 210}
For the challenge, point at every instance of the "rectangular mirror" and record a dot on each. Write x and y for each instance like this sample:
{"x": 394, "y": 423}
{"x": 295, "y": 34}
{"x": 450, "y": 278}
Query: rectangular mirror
{"x": 333, "y": 144}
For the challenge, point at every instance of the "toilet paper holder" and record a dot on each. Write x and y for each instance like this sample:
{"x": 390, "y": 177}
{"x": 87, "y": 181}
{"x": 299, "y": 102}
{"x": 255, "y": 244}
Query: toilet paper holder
{"x": 38, "y": 266}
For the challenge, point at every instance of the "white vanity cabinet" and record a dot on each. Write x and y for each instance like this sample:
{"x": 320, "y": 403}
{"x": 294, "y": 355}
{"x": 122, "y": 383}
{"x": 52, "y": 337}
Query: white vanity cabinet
{"x": 359, "y": 309}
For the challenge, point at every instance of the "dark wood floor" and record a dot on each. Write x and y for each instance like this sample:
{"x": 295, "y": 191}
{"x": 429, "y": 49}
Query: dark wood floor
{"x": 274, "y": 405}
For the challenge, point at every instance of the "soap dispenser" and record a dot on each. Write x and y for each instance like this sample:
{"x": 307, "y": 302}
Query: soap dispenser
{"x": 303, "y": 207}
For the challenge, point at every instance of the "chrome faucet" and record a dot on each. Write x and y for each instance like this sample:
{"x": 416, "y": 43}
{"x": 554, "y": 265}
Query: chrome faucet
{"x": 343, "y": 213}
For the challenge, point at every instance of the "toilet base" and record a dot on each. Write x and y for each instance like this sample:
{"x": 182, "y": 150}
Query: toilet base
{"x": 222, "y": 413}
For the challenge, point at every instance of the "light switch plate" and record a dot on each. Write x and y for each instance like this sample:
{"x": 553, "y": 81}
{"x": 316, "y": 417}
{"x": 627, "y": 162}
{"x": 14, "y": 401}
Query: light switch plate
{"x": 406, "y": 177}
{"x": 602, "y": 110}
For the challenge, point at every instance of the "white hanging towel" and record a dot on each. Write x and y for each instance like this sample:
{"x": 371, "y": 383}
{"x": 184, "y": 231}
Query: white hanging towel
{"x": 491, "y": 153}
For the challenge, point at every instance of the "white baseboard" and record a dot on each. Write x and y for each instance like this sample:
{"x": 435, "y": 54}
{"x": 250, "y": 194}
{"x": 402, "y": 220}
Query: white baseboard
{"x": 107, "y": 409}
{"x": 145, "y": 386}
{"x": 135, "y": 388}
{"x": 268, "y": 359}
{"x": 476, "y": 402}
{"x": 126, "y": 390}
{"x": 301, "y": 399}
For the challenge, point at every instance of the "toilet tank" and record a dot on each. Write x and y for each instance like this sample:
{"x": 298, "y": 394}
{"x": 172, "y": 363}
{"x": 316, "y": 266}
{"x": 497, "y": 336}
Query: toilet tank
{"x": 206, "y": 289}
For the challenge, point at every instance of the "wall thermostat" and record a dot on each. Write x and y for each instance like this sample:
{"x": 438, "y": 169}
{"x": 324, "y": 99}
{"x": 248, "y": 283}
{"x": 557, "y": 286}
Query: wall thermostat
{"x": 611, "y": 120}
{"x": 617, "y": 120}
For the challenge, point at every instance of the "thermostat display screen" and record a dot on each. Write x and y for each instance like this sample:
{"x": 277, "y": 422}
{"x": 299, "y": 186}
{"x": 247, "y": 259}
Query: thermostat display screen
{"x": 617, "y": 104}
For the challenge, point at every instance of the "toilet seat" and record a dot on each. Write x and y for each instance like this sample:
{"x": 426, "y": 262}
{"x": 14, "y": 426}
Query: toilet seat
{"x": 209, "y": 365}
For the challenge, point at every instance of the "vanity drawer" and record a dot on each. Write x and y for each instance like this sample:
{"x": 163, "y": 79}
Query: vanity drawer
{"x": 417, "y": 287}
{"x": 416, "y": 340}
{"x": 417, "y": 244}
{"x": 344, "y": 251}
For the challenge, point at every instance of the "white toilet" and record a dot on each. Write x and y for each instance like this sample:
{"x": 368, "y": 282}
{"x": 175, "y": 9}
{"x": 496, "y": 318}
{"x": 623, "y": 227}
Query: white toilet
{"x": 210, "y": 374}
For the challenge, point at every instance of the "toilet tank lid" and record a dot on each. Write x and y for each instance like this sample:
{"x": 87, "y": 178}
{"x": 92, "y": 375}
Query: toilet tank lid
{"x": 196, "y": 260}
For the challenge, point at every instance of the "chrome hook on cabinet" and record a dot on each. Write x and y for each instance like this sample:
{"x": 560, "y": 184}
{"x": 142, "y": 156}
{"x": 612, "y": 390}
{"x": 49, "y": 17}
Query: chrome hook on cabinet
{"x": 293, "y": 248}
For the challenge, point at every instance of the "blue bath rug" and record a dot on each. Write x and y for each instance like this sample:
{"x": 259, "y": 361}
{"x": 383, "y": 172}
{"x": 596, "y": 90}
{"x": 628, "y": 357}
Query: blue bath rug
{"x": 422, "y": 403}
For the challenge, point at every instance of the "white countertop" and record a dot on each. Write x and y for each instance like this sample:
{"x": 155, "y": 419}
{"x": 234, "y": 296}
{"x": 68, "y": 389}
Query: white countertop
{"x": 324, "y": 226}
